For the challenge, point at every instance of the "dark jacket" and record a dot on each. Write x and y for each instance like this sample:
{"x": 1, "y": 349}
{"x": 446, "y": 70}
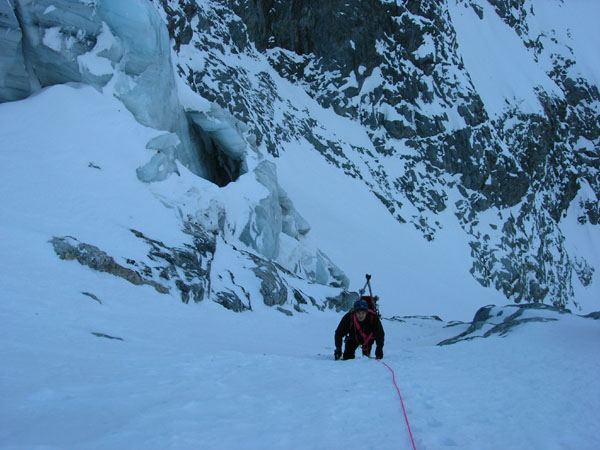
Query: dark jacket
{"x": 370, "y": 327}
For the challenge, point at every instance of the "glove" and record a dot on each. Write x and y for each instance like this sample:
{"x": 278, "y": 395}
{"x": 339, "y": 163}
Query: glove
{"x": 366, "y": 351}
{"x": 337, "y": 354}
{"x": 378, "y": 353}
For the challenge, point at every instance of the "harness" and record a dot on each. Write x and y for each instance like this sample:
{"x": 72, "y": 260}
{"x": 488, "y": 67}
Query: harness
{"x": 366, "y": 338}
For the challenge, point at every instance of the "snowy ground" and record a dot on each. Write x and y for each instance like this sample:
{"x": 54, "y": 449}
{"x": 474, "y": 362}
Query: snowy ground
{"x": 198, "y": 376}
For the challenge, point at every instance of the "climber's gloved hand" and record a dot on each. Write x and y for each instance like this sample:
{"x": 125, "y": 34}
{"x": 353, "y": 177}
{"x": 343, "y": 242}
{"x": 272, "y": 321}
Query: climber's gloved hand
{"x": 337, "y": 354}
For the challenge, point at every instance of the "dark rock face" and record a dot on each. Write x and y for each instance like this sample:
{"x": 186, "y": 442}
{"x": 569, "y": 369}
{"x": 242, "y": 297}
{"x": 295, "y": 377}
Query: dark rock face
{"x": 396, "y": 69}
{"x": 305, "y": 28}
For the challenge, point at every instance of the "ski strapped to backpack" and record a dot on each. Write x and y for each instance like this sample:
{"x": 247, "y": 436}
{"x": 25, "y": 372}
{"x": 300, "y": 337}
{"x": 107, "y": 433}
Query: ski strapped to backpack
{"x": 370, "y": 299}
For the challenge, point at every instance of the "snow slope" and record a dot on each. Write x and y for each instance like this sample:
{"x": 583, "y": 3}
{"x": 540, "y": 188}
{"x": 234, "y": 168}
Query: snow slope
{"x": 90, "y": 361}
{"x": 502, "y": 69}
{"x": 411, "y": 275}
{"x": 574, "y": 23}
{"x": 201, "y": 377}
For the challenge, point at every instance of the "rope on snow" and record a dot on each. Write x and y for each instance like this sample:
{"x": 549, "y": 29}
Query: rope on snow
{"x": 401, "y": 401}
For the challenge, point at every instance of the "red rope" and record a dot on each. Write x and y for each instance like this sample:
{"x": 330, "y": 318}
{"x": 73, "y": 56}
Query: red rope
{"x": 401, "y": 401}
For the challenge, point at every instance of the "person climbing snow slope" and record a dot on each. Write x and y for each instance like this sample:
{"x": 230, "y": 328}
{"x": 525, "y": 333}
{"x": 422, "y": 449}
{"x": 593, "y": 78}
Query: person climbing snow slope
{"x": 361, "y": 326}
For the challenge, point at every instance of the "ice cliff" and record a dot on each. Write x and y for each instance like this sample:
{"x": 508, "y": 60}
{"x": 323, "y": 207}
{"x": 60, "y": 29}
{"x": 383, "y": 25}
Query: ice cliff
{"x": 125, "y": 47}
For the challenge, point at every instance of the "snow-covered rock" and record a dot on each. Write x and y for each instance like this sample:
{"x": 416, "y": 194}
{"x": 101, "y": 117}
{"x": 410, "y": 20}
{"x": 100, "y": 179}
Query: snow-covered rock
{"x": 498, "y": 135}
{"x": 492, "y": 320}
{"x": 435, "y": 120}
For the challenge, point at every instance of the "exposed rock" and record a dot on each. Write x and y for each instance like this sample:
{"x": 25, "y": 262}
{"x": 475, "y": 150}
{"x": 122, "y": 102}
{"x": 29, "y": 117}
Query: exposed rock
{"x": 491, "y": 320}
{"x": 342, "y": 302}
{"x": 193, "y": 261}
{"x": 230, "y": 300}
{"x": 418, "y": 87}
{"x": 594, "y": 315}
{"x": 285, "y": 311}
{"x": 272, "y": 287}
{"x": 107, "y": 336}
{"x": 167, "y": 263}
{"x": 70, "y": 248}
{"x": 188, "y": 271}
{"x": 92, "y": 296}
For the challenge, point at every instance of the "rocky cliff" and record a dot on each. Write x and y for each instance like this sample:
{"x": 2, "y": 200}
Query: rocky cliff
{"x": 396, "y": 69}
{"x": 510, "y": 174}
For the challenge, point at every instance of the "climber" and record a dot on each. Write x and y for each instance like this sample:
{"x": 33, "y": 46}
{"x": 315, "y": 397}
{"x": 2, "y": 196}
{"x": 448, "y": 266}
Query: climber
{"x": 360, "y": 326}
{"x": 372, "y": 303}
